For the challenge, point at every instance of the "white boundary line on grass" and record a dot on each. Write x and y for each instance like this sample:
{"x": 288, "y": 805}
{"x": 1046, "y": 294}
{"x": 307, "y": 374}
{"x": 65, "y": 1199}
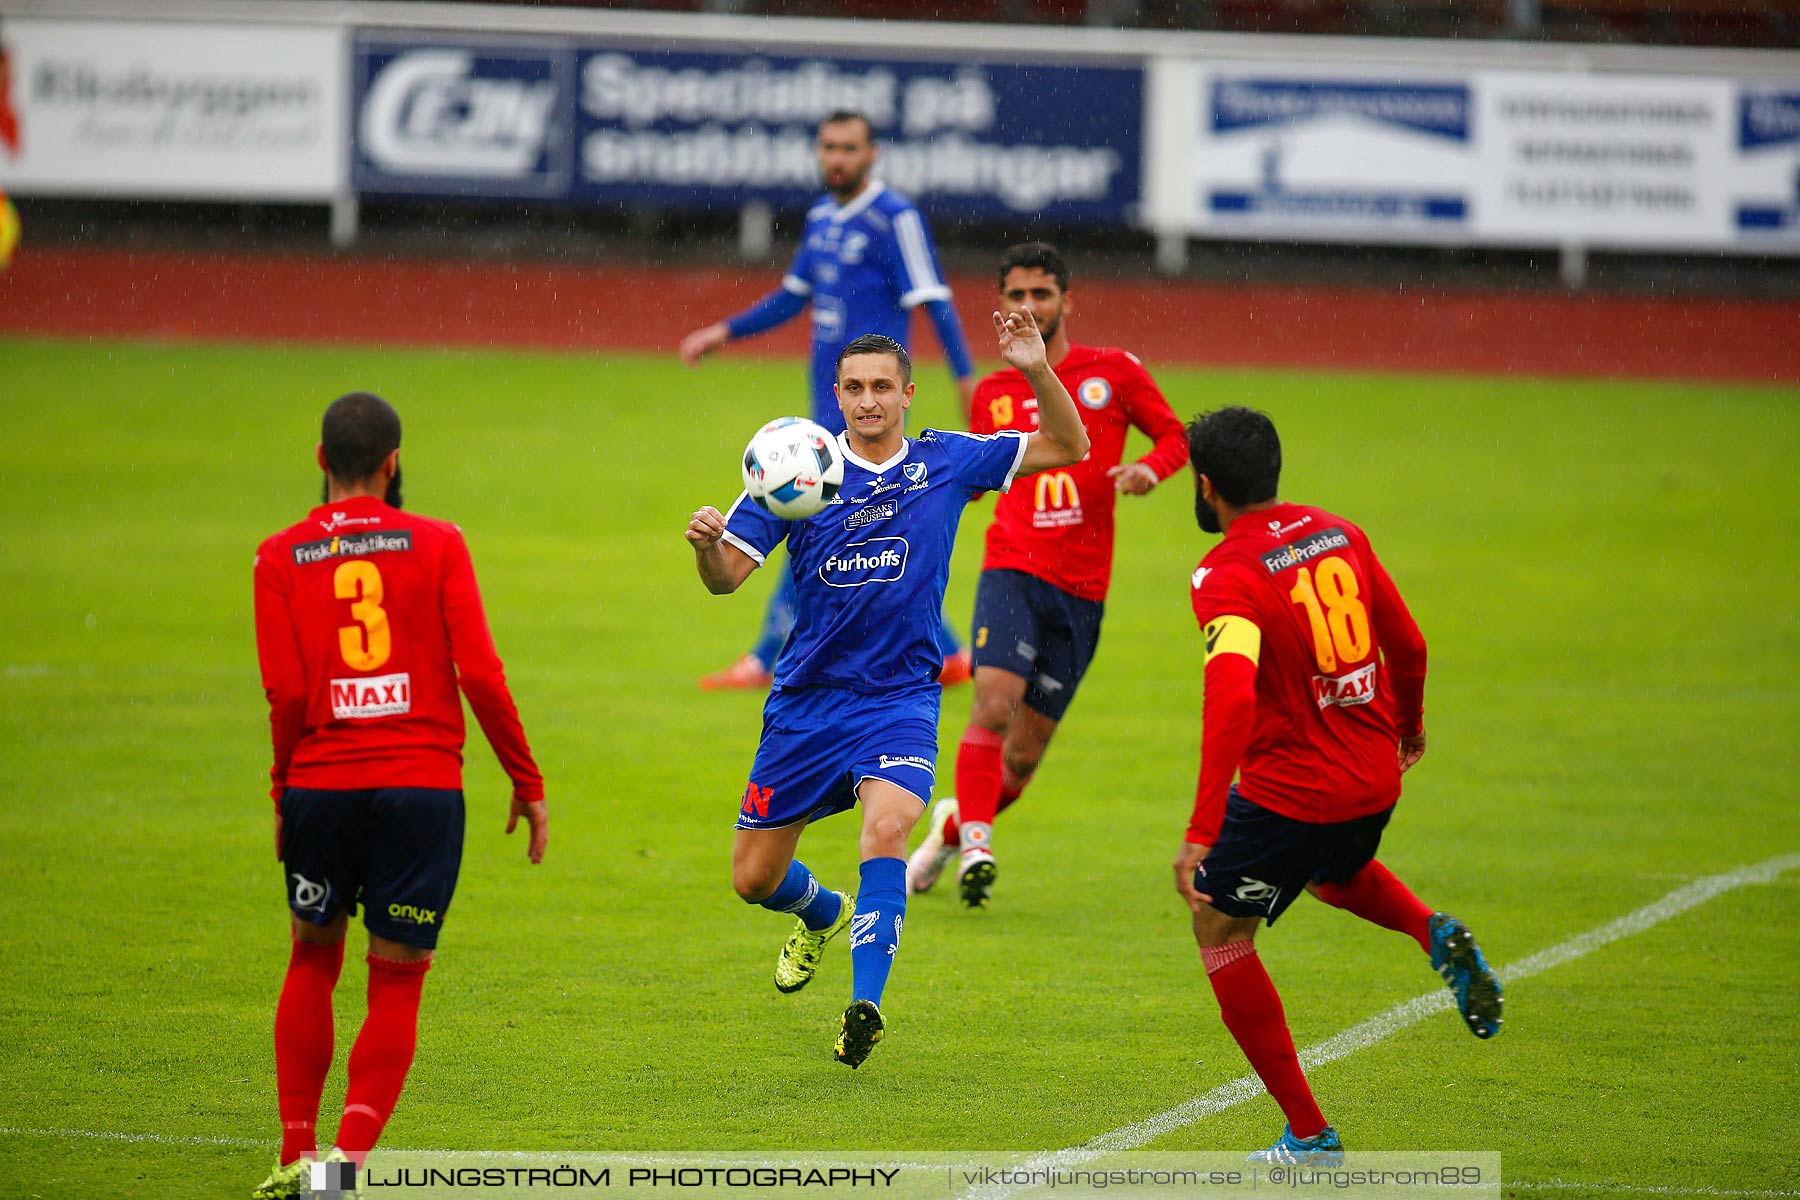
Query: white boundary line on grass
{"x": 1410, "y": 1012}
{"x": 161, "y": 1139}
{"x": 1357, "y": 1037}
{"x": 1640, "y": 1189}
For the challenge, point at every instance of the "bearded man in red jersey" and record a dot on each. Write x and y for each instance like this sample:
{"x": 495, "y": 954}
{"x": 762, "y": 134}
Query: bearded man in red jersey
{"x": 368, "y": 621}
{"x": 1315, "y": 692}
{"x": 1048, "y": 565}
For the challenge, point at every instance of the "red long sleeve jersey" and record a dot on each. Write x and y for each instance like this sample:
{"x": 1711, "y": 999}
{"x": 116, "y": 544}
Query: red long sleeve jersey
{"x": 1058, "y": 524}
{"x": 367, "y": 619}
{"x": 1314, "y": 670}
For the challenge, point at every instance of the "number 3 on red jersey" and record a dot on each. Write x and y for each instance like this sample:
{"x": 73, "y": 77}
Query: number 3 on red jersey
{"x": 1334, "y": 608}
{"x": 367, "y": 644}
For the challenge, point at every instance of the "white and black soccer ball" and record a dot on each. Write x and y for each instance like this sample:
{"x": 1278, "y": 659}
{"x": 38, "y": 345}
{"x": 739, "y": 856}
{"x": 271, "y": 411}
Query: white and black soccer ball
{"x": 793, "y": 468}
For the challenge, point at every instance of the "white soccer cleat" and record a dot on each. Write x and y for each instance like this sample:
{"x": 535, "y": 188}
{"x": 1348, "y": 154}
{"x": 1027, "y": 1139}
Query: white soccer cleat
{"x": 976, "y": 878}
{"x": 926, "y": 863}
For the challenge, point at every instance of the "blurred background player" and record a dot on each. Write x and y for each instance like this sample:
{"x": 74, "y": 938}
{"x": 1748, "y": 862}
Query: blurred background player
{"x": 1049, "y": 561}
{"x": 865, "y": 262}
{"x": 367, "y": 621}
{"x": 852, "y": 716}
{"x": 1315, "y": 686}
{"x": 9, "y": 145}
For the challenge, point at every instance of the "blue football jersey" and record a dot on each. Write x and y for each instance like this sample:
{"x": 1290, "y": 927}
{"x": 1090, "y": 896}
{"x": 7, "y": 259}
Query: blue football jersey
{"x": 865, "y": 266}
{"x": 872, "y": 568}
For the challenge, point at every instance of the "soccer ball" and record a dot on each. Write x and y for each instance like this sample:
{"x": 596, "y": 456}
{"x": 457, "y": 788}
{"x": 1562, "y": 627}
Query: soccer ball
{"x": 792, "y": 467}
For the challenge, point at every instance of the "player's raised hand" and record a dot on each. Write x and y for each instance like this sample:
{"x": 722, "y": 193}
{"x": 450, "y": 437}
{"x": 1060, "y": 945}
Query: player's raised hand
{"x": 537, "y": 815}
{"x": 1021, "y": 345}
{"x": 706, "y": 528}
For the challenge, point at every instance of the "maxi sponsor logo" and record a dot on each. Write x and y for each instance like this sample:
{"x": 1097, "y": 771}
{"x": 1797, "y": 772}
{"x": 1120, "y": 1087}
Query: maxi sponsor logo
{"x": 371, "y": 696}
{"x": 1345, "y": 691}
{"x": 352, "y": 545}
{"x": 878, "y": 560}
{"x": 470, "y": 118}
{"x": 1305, "y": 550}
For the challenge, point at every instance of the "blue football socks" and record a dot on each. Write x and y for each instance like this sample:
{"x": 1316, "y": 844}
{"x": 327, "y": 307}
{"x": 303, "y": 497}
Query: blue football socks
{"x": 801, "y": 895}
{"x": 875, "y": 929}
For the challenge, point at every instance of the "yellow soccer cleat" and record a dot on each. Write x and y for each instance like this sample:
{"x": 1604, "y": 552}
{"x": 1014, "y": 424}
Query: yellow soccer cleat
{"x": 861, "y": 1030}
{"x": 284, "y": 1182}
{"x": 801, "y": 953}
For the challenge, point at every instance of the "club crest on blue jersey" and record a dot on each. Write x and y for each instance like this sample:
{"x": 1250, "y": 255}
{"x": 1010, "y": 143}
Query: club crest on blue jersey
{"x": 915, "y": 472}
{"x": 1095, "y": 393}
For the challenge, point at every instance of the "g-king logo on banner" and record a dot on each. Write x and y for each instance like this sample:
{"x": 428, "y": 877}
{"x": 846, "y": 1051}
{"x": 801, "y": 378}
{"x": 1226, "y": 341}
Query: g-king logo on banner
{"x": 445, "y": 118}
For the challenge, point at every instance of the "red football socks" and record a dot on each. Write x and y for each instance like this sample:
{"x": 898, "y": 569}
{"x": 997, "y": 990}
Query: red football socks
{"x": 1252, "y": 1010}
{"x": 1376, "y": 895}
{"x": 303, "y": 1042}
{"x": 1011, "y": 788}
{"x": 383, "y": 1052}
{"x": 978, "y": 771}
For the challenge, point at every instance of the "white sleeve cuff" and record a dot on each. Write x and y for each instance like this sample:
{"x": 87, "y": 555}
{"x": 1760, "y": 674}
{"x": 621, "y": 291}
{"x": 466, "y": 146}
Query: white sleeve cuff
{"x": 755, "y": 554}
{"x": 919, "y": 296}
{"x": 1018, "y": 459}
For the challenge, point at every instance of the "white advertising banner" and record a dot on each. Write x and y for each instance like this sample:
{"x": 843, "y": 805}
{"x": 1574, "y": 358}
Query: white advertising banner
{"x": 1614, "y": 160}
{"x": 1528, "y": 158}
{"x": 1765, "y": 174}
{"x": 1299, "y": 152}
{"x": 174, "y": 110}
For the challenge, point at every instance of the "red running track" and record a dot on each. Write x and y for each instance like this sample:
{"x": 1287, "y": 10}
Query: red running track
{"x": 347, "y": 299}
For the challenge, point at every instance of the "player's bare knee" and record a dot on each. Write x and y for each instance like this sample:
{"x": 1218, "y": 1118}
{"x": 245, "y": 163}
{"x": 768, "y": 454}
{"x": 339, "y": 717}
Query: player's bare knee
{"x": 394, "y": 951}
{"x": 1213, "y": 928}
{"x": 1023, "y": 762}
{"x": 328, "y": 934}
{"x": 993, "y": 712}
{"x": 755, "y": 882}
{"x": 885, "y": 837}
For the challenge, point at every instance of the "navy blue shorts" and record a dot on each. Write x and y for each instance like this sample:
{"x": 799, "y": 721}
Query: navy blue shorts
{"x": 1037, "y": 631}
{"x": 819, "y": 744}
{"x": 1263, "y": 860}
{"x": 397, "y": 850}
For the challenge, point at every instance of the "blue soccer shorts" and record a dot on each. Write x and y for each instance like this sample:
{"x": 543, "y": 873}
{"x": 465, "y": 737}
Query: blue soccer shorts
{"x": 396, "y": 850}
{"x": 1263, "y": 860}
{"x": 1037, "y": 631}
{"x": 820, "y": 743}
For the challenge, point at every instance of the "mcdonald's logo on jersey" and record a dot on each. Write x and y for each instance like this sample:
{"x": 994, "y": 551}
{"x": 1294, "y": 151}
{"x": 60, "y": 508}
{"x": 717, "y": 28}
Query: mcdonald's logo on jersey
{"x": 1058, "y": 500}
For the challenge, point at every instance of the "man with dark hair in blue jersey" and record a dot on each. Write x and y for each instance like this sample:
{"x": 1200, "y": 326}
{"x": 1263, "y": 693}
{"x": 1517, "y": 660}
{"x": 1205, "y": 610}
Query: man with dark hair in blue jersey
{"x": 852, "y": 716}
{"x": 865, "y": 262}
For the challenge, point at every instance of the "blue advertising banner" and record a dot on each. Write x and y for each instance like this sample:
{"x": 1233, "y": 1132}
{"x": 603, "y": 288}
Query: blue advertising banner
{"x": 461, "y": 118}
{"x": 588, "y": 123}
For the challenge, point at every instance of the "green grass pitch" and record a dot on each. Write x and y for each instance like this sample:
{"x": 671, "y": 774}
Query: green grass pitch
{"x": 1606, "y": 574}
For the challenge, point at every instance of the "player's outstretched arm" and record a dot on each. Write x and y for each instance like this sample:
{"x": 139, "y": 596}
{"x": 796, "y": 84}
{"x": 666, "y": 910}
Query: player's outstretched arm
{"x": 537, "y": 817}
{"x": 1060, "y": 438}
{"x": 779, "y": 306}
{"x": 703, "y": 341}
{"x": 723, "y": 567}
